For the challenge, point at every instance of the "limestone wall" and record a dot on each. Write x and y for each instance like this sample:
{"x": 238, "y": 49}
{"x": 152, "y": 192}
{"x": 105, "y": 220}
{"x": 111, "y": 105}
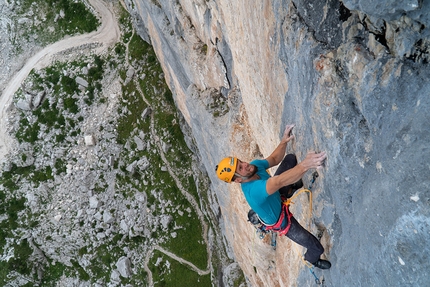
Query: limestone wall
{"x": 353, "y": 77}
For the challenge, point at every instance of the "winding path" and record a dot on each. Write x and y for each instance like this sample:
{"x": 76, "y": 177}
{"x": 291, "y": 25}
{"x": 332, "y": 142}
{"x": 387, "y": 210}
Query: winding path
{"x": 187, "y": 195}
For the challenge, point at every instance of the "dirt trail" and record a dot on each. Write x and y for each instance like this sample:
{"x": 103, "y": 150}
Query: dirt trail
{"x": 107, "y": 34}
{"x": 189, "y": 197}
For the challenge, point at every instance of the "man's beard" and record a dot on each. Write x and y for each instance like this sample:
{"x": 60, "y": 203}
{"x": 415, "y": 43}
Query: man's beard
{"x": 249, "y": 175}
{"x": 254, "y": 172}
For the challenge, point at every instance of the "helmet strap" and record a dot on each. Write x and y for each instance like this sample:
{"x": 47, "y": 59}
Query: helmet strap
{"x": 242, "y": 177}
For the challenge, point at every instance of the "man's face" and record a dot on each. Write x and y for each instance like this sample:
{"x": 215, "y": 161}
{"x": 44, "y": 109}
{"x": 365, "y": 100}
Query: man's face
{"x": 245, "y": 169}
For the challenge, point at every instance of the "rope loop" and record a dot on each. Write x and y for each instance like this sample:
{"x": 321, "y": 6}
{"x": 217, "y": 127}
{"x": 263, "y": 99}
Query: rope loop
{"x": 289, "y": 201}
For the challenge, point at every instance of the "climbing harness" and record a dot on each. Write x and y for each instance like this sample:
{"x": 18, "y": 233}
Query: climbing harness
{"x": 262, "y": 229}
{"x": 275, "y": 229}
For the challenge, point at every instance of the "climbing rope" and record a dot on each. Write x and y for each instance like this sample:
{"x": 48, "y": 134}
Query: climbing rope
{"x": 289, "y": 201}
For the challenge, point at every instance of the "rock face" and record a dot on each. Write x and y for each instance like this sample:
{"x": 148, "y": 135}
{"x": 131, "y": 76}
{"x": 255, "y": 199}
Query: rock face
{"x": 354, "y": 78}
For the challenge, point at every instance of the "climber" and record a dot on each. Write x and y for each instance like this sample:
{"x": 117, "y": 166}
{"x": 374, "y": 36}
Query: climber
{"x": 263, "y": 192}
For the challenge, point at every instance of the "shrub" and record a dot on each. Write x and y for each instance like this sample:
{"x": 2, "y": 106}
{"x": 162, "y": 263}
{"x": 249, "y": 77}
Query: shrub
{"x": 70, "y": 104}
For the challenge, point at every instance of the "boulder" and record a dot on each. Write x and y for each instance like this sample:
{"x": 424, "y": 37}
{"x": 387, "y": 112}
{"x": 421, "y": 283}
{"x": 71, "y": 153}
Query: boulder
{"x": 26, "y": 103}
{"x": 108, "y": 218}
{"x": 124, "y": 267}
{"x": 94, "y": 202}
{"x": 82, "y": 82}
{"x": 89, "y": 140}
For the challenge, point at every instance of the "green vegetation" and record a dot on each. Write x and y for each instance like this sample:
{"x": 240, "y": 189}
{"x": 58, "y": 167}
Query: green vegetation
{"x": 105, "y": 256}
{"x": 137, "y": 48}
{"x": 11, "y": 208}
{"x": 19, "y": 262}
{"x": 188, "y": 243}
{"x": 131, "y": 121}
{"x": 26, "y": 132}
{"x": 83, "y": 275}
{"x": 11, "y": 178}
{"x": 47, "y": 21}
{"x": 204, "y": 49}
{"x": 51, "y": 113}
{"x": 53, "y": 271}
{"x": 239, "y": 280}
{"x": 218, "y": 105}
{"x": 169, "y": 272}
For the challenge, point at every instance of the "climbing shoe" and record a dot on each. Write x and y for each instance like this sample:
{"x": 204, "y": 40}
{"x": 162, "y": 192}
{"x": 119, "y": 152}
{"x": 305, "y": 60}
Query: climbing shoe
{"x": 322, "y": 264}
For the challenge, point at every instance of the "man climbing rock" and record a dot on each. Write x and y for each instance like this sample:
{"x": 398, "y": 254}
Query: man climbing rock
{"x": 263, "y": 192}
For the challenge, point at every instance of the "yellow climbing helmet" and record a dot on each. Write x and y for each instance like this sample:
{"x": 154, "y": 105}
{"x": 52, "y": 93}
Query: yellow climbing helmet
{"x": 226, "y": 168}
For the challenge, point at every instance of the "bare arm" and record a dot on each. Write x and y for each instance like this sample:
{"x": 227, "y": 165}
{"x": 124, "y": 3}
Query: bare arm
{"x": 312, "y": 160}
{"x": 278, "y": 154}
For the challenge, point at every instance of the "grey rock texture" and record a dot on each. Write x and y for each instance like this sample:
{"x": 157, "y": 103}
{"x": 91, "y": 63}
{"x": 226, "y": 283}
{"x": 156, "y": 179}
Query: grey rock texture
{"x": 124, "y": 267}
{"x": 354, "y": 78}
{"x": 402, "y": 25}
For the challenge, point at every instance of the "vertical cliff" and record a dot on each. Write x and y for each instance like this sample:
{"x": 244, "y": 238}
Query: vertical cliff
{"x": 354, "y": 78}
